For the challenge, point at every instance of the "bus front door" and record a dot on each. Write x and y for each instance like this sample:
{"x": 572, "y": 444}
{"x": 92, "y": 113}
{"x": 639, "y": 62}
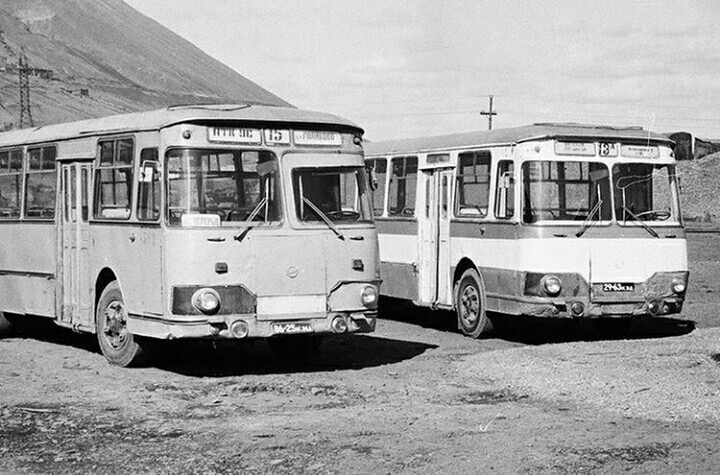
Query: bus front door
{"x": 434, "y": 271}
{"x": 75, "y": 289}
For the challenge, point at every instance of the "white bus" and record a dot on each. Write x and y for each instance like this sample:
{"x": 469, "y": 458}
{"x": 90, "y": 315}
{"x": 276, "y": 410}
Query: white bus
{"x": 214, "y": 221}
{"x": 547, "y": 220}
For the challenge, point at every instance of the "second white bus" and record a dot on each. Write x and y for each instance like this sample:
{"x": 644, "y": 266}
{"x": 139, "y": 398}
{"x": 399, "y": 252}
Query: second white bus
{"x": 548, "y": 220}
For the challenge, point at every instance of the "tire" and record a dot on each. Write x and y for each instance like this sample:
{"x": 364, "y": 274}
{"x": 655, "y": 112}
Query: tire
{"x": 295, "y": 347}
{"x": 470, "y": 305}
{"x": 119, "y": 346}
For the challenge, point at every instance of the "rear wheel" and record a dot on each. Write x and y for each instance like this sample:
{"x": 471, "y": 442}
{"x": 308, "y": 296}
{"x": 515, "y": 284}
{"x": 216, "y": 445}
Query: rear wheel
{"x": 470, "y": 305}
{"x": 119, "y": 346}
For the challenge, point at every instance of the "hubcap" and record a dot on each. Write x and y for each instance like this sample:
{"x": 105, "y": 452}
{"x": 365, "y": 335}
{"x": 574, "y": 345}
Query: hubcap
{"x": 115, "y": 324}
{"x": 469, "y": 306}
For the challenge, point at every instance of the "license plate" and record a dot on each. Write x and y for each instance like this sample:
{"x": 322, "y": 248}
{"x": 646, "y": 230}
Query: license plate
{"x": 291, "y": 328}
{"x": 618, "y": 287}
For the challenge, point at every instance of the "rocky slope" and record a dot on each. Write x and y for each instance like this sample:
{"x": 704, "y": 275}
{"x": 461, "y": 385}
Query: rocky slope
{"x": 92, "y": 58}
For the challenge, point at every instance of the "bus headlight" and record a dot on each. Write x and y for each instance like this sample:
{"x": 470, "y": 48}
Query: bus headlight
{"x": 552, "y": 285}
{"x": 678, "y": 285}
{"x": 369, "y": 296}
{"x": 206, "y": 300}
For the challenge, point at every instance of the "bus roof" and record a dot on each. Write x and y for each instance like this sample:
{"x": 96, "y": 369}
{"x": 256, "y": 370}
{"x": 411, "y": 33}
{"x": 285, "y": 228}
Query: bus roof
{"x": 161, "y": 118}
{"x": 543, "y": 131}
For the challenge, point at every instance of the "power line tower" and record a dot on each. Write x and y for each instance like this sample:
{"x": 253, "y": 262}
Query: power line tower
{"x": 26, "y": 119}
{"x": 490, "y": 113}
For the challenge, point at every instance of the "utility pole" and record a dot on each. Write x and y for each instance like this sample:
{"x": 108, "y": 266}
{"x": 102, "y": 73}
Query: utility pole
{"x": 490, "y": 113}
{"x": 26, "y": 119}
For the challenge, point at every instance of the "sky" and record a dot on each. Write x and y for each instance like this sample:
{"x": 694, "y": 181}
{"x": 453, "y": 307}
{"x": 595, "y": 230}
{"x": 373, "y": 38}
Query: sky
{"x": 409, "y": 68}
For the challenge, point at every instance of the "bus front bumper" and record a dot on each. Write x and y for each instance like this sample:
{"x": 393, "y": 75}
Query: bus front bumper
{"x": 582, "y": 308}
{"x": 249, "y": 326}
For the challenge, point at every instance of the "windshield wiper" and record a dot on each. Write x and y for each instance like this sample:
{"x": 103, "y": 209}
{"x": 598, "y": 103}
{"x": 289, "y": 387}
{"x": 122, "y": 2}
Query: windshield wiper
{"x": 325, "y": 219}
{"x": 641, "y": 222}
{"x": 588, "y": 221}
{"x": 247, "y": 223}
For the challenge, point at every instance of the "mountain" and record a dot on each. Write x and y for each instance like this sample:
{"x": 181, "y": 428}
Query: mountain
{"x": 92, "y": 58}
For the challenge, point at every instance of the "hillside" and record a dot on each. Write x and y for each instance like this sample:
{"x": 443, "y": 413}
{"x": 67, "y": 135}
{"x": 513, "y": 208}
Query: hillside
{"x": 93, "y": 58}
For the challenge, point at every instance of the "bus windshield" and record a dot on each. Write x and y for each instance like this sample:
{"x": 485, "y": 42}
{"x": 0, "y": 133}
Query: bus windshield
{"x": 645, "y": 192}
{"x": 336, "y": 194}
{"x": 566, "y": 191}
{"x": 218, "y": 187}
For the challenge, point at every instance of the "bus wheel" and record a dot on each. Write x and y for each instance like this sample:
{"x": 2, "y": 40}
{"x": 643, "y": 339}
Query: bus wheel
{"x": 295, "y": 347}
{"x": 119, "y": 346}
{"x": 470, "y": 305}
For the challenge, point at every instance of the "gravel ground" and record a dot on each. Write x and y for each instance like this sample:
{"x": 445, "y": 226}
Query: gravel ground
{"x": 667, "y": 379}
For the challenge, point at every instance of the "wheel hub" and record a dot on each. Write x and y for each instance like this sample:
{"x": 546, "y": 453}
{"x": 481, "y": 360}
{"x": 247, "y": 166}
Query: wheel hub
{"x": 115, "y": 324}
{"x": 469, "y": 305}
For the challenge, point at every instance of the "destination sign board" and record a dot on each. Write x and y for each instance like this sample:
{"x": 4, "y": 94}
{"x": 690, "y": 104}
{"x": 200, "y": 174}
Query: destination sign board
{"x": 639, "y": 151}
{"x": 234, "y": 135}
{"x": 314, "y": 137}
{"x": 575, "y": 148}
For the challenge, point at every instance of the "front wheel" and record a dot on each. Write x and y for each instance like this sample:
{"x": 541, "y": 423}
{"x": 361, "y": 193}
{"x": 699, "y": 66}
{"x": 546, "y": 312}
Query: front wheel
{"x": 119, "y": 346}
{"x": 470, "y": 305}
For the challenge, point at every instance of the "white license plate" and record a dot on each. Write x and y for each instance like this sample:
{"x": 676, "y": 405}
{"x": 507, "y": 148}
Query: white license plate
{"x": 618, "y": 287}
{"x": 291, "y": 328}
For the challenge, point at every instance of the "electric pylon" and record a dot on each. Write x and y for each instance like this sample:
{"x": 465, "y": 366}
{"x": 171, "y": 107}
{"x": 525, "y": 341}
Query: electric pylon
{"x": 26, "y": 119}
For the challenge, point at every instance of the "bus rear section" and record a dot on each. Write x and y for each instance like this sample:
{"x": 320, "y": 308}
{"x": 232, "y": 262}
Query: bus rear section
{"x": 549, "y": 220}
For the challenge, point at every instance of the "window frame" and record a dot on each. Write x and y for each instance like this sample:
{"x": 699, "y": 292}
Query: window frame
{"x": 392, "y": 179}
{"x": 98, "y": 183}
{"x": 30, "y": 172}
{"x": 381, "y": 186}
{"x": 513, "y": 187}
{"x": 475, "y": 155}
{"x": 277, "y": 183}
{"x": 156, "y": 181}
{"x": 19, "y": 173}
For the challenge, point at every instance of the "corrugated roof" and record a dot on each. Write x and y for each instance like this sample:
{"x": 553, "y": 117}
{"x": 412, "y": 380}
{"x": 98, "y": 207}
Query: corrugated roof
{"x": 158, "y": 119}
{"x": 515, "y": 135}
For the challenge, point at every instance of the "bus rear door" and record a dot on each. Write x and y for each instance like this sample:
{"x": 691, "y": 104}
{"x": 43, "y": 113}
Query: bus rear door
{"x": 75, "y": 292}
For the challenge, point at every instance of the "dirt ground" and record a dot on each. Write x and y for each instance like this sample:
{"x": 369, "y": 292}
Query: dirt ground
{"x": 413, "y": 397}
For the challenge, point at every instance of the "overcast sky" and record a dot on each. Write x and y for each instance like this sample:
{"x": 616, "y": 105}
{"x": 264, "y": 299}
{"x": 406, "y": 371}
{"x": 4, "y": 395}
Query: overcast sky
{"x": 408, "y": 68}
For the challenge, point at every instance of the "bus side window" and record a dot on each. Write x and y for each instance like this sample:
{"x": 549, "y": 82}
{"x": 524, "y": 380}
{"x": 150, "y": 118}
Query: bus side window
{"x": 378, "y": 173}
{"x": 473, "y": 184}
{"x": 114, "y": 179}
{"x": 403, "y": 185}
{"x": 41, "y": 183}
{"x": 10, "y": 183}
{"x": 505, "y": 194}
{"x": 148, "y": 206}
